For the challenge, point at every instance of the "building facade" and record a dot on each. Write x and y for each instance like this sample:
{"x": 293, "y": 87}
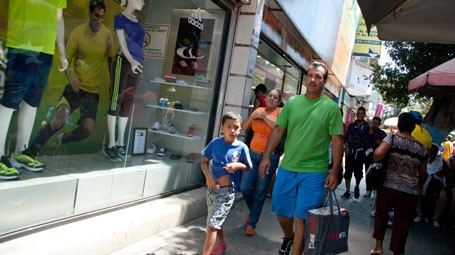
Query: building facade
{"x": 201, "y": 58}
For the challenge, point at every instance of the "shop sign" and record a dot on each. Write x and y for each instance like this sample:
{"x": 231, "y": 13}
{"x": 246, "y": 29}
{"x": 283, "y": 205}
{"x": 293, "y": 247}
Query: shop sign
{"x": 155, "y": 41}
{"x": 367, "y": 45}
{"x": 196, "y": 19}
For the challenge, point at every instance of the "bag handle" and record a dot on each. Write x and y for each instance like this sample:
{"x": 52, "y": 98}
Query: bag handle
{"x": 331, "y": 194}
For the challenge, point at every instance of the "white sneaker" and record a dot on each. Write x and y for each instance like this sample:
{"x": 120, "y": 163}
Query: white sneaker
{"x": 151, "y": 149}
{"x": 418, "y": 219}
{"x": 435, "y": 223}
{"x": 367, "y": 194}
{"x": 156, "y": 126}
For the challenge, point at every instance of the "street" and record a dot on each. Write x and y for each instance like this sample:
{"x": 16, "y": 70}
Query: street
{"x": 188, "y": 239}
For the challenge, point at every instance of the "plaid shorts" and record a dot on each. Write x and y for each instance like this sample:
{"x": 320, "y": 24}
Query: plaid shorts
{"x": 219, "y": 203}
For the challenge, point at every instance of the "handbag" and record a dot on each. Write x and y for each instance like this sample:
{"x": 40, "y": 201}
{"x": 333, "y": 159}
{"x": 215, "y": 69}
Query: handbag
{"x": 326, "y": 230}
{"x": 376, "y": 173}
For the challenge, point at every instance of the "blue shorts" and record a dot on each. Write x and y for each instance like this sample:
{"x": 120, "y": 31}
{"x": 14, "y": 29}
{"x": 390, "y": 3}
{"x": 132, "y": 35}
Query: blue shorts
{"x": 26, "y": 77}
{"x": 295, "y": 193}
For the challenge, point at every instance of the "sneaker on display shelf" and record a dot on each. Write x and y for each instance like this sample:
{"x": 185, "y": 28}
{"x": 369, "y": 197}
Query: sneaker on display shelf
{"x": 175, "y": 156}
{"x": 7, "y": 172}
{"x": 156, "y": 126}
{"x": 190, "y": 131}
{"x": 162, "y": 151}
{"x": 111, "y": 154}
{"x": 25, "y": 161}
{"x": 151, "y": 149}
{"x": 190, "y": 158}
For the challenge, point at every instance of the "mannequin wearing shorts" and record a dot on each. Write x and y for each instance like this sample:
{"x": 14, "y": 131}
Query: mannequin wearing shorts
{"x": 31, "y": 38}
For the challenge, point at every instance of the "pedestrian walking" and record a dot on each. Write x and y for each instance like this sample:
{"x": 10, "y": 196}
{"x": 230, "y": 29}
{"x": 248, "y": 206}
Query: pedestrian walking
{"x": 402, "y": 186}
{"x": 312, "y": 121}
{"x": 355, "y": 144}
{"x": 254, "y": 184}
{"x": 228, "y": 156}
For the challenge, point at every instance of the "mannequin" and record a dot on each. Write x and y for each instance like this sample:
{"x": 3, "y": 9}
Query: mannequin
{"x": 128, "y": 67}
{"x": 31, "y": 44}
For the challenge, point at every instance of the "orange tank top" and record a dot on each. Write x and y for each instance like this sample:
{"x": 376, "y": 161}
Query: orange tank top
{"x": 262, "y": 130}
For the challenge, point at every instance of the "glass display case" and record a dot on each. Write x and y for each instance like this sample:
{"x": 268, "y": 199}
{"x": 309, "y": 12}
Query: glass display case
{"x": 181, "y": 118}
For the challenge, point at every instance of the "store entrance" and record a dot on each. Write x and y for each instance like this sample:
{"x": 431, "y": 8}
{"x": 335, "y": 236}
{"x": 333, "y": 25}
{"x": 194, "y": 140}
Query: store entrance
{"x": 276, "y": 71}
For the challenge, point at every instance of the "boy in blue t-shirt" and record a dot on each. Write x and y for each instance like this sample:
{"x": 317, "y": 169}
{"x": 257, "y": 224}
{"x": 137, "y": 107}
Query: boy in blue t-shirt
{"x": 227, "y": 155}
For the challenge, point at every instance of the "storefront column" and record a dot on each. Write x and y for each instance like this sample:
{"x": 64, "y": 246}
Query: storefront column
{"x": 243, "y": 59}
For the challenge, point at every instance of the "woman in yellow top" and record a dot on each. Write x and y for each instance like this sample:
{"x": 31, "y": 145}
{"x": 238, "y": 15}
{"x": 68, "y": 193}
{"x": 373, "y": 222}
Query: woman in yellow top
{"x": 254, "y": 184}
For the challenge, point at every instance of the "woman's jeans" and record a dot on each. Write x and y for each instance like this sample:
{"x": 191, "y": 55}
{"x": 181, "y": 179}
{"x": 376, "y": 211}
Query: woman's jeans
{"x": 254, "y": 188}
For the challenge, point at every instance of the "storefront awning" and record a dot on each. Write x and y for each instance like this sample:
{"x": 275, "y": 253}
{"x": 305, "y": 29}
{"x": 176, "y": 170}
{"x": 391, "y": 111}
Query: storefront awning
{"x": 437, "y": 82}
{"x": 411, "y": 20}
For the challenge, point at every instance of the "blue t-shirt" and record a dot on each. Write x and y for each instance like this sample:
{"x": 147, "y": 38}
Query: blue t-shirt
{"x": 134, "y": 35}
{"x": 222, "y": 153}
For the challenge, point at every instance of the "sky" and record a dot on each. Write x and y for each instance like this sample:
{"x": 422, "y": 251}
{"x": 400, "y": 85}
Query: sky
{"x": 384, "y": 56}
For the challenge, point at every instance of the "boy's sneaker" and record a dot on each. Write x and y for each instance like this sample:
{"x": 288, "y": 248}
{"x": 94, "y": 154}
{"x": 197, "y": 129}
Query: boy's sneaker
{"x": 7, "y": 172}
{"x": 121, "y": 152}
{"x": 367, "y": 194}
{"x": 111, "y": 154}
{"x": 220, "y": 248}
{"x": 286, "y": 246}
{"x": 25, "y": 161}
{"x": 346, "y": 195}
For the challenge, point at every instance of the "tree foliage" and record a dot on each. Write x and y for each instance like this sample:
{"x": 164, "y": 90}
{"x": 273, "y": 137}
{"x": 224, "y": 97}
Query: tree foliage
{"x": 409, "y": 61}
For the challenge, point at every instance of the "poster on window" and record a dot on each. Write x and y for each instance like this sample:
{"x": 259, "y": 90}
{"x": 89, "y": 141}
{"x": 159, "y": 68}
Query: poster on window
{"x": 192, "y": 47}
{"x": 156, "y": 36}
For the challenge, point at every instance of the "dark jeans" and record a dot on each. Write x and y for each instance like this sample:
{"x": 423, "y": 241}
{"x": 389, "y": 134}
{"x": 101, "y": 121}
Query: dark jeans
{"x": 254, "y": 188}
{"x": 404, "y": 205}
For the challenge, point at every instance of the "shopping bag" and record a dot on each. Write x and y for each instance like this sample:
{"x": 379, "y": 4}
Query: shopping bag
{"x": 327, "y": 228}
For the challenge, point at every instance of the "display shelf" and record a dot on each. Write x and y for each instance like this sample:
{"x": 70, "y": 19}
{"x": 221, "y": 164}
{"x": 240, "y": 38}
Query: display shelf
{"x": 180, "y": 85}
{"x": 165, "y": 132}
{"x": 177, "y": 110}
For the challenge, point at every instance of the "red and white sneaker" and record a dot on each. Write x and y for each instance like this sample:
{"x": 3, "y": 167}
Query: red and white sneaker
{"x": 190, "y": 131}
{"x": 220, "y": 248}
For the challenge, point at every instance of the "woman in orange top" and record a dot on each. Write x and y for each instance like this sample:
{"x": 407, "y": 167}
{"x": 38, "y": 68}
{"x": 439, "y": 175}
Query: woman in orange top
{"x": 253, "y": 185}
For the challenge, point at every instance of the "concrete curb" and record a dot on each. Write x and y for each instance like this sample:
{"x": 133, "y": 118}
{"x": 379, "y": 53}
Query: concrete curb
{"x": 109, "y": 232}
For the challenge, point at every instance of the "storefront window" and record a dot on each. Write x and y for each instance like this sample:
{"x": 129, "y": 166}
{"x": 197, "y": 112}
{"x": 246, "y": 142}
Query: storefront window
{"x": 275, "y": 76}
{"x": 128, "y": 117}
